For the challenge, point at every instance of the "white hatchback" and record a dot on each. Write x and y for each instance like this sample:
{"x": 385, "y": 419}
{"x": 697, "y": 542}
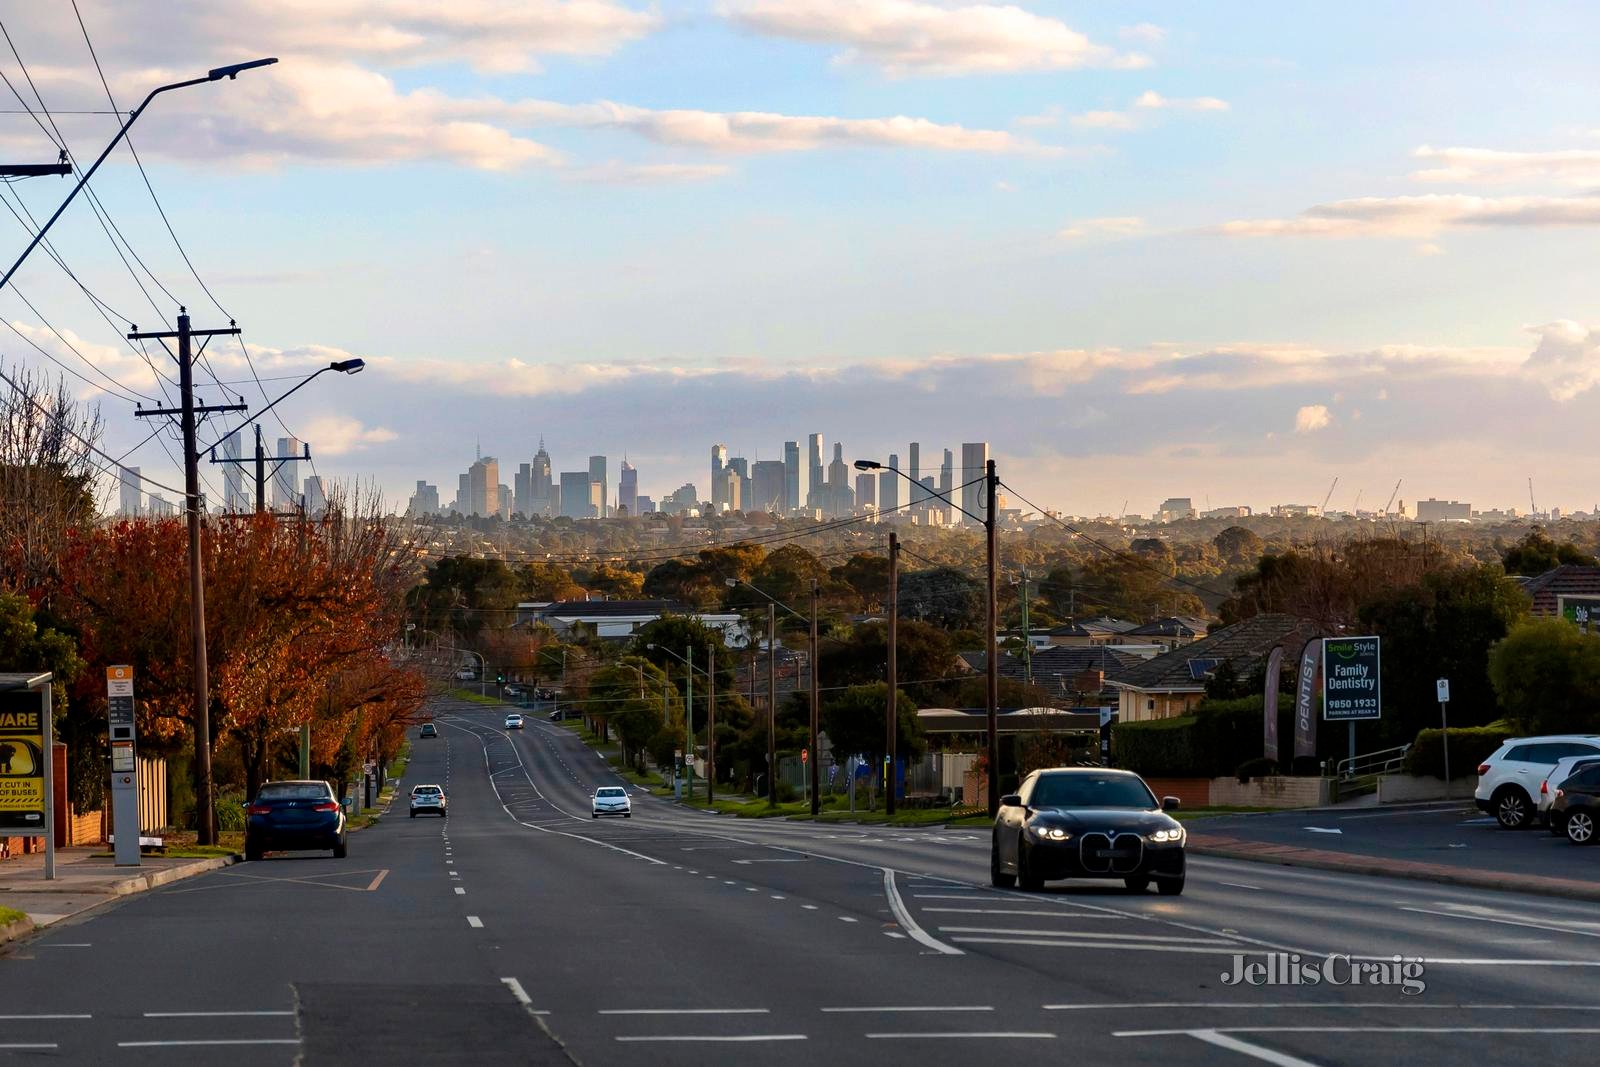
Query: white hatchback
{"x": 612, "y": 800}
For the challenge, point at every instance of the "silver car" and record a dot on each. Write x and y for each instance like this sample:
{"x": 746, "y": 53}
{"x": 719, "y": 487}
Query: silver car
{"x": 612, "y": 800}
{"x": 429, "y": 800}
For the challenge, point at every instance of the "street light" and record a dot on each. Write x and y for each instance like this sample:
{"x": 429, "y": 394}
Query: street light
{"x": 773, "y": 604}
{"x": 688, "y": 716}
{"x": 991, "y": 671}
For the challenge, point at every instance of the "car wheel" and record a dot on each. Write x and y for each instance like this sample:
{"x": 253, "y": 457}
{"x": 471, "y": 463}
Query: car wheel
{"x": 1138, "y": 883}
{"x": 1169, "y": 887}
{"x": 1512, "y": 808}
{"x": 998, "y": 878}
{"x": 1026, "y": 876}
{"x": 1580, "y": 827}
{"x": 627, "y": 815}
{"x": 340, "y": 849}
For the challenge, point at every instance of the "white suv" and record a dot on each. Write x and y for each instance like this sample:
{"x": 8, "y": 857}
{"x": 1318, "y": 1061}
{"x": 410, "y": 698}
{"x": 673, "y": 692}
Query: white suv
{"x": 1509, "y": 780}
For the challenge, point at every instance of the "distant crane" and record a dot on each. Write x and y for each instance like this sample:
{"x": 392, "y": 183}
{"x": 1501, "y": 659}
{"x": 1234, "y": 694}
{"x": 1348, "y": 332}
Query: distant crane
{"x": 1323, "y": 510}
{"x": 1355, "y": 509}
{"x": 1123, "y": 512}
{"x": 1390, "y": 505}
{"x": 1533, "y": 509}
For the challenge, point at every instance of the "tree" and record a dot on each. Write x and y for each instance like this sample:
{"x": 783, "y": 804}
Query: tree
{"x": 922, "y": 652}
{"x": 943, "y": 596}
{"x": 25, "y": 645}
{"x": 1537, "y": 553}
{"x": 1545, "y": 674}
{"x": 674, "y": 636}
{"x": 1134, "y": 587}
{"x": 867, "y": 576}
{"x": 853, "y": 720}
{"x": 1238, "y": 545}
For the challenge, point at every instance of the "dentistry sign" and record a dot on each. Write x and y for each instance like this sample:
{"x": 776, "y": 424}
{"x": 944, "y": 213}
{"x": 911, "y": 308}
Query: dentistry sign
{"x": 1351, "y": 688}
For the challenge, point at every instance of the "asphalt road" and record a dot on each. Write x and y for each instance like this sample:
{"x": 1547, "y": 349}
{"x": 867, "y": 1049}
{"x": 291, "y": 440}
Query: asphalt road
{"x": 519, "y": 930}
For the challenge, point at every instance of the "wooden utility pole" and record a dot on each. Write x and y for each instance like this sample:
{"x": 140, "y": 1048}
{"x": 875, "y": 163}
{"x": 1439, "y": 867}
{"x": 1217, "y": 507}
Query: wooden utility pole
{"x": 816, "y": 799}
{"x": 711, "y": 724}
{"x": 992, "y": 679}
{"x": 772, "y": 703}
{"x": 893, "y": 712}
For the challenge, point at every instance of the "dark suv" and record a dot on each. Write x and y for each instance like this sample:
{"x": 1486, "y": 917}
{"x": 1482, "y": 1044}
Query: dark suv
{"x": 1577, "y": 806}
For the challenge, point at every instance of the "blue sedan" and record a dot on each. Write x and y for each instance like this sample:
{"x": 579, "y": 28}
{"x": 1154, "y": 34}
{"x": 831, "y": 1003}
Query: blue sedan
{"x": 286, "y": 816}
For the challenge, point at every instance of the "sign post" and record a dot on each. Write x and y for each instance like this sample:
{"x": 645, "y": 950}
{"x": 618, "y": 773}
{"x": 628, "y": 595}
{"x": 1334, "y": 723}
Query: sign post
{"x": 124, "y": 766}
{"x": 1351, "y": 687}
{"x": 27, "y": 771}
{"x": 1443, "y": 685}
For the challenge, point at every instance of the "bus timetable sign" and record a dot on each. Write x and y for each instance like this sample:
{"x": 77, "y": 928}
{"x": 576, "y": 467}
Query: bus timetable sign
{"x": 1351, "y": 688}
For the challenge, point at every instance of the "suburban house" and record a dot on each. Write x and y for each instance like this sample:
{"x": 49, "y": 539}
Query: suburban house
{"x": 1170, "y": 632}
{"x": 1172, "y": 684}
{"x": 1089, "y": 632}
{"x": 620, "y": 619}
{"x": 1562, "y": 590}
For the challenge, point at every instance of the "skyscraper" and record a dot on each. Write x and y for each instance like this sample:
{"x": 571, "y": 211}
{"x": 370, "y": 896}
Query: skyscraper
{"x": 719, "y": 463}
{"x": 542, "y": 487}
{"x": 597, "y": 474}
{"x": 316, "y": 498}
{"x": 974, "y": 464}
{"x": 795, "y": 480}
{"x": 463, "y": 502}
{"x": 889, "y": 487}
{"x": 816, "y": 475}
{"x": 915, "y": 471}
{"x": 234, "y": 498}
{"x": 129, "y": 503}
{"x": 425, "y": 501}
{"x": 577, "y": 495}
{"x": 286, "y": 479}
{"x": 628, "y": 490}
{"x": 522, "y": 489}
{"x": 741, "y": 467}
{"x": 768, "y": 486}
{"x": 483, "y": 487}
{"x": 866, "y": 491}
{"x": 728, "y": 490}
{"x": 947, "y": 472}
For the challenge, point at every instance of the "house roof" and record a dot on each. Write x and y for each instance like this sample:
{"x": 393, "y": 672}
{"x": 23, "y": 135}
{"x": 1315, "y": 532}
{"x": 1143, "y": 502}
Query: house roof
{"x": 1569, "y": 579}
{"x": 609, "y": 608}
{"x": 1172, "y": 626}
{"x": 1184, "y": 669}
{"x": 1059, "y": 663}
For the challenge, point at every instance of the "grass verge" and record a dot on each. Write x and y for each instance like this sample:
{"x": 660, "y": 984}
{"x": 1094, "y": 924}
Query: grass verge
{"x": 11, "y": 915}
{"x": 476, "y": 698}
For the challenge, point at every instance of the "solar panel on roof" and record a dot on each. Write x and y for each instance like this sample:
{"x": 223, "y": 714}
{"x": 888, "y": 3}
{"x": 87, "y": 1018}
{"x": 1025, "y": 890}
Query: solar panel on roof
{"x": 1199, "y": 668}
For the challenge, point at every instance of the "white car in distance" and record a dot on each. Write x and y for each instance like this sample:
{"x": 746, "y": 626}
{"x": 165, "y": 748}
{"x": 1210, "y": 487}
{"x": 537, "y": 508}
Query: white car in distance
{"x": 513, "y": 721}
{"x": 429, "y": 800}
{"x": 612, "y": 800}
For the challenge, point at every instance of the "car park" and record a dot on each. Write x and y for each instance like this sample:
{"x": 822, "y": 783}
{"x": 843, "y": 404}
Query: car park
{"x": 1577, "y": 806}
{"x": 294, "y": 815}
{"x": 429, "y": 800}
{"x": 428, "y": 730}
{"x": 1547, "y": 789}
{"x": 1509, "y": 780}
{"x": 514, "y": 721}
{"x": 612, "y": 800}
{"x": 1087, "y": 822}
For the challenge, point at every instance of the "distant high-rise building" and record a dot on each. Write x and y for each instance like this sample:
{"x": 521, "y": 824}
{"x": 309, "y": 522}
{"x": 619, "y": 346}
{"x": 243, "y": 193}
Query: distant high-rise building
{"x": 483, "y": 487}
{"x": 628, "y": 489}
{"x": 889, "y": 487}
{"x": 425, "y": 501}
{"x": 1431, "y": 510}
{"x": 816, "y": 473}
{"x": 503, "y": 501}
{"x": 866, "y": 491}
{"x": 1175, "y": 509}
{"x": 719, "y": 463}
{"x": 768, "y": 487}
{"x": 161, "y": 508}
{"x": 597, "y": 474}
{"x": 234, "y": 497}
{"x": 947, "y": 471}
{"x": 286, "y": 479}
{"x": 796, "y": 480}
{"x": 129, "y": 503}
{"x": 522, "y": 489}
{"x": 741, "y": 466}
{"x": 577, "y": 495}
{"x": 647, "y": 505}
{"x": 974, "y": 465}
{"x": 316, "y": 498}
{"x": 915, "y": 458}
{"x": 728, "y": 491}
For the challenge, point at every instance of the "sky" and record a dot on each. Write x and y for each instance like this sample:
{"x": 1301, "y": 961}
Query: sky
{"x": 1226, "y": 251}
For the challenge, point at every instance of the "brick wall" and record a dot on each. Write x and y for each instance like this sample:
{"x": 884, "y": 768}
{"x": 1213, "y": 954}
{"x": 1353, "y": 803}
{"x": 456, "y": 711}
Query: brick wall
{"x": 1273, "y": 792}
{"x": 1194, "y": 792}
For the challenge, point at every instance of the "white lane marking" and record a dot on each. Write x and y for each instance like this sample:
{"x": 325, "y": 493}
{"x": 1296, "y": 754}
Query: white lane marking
{"x": 721, "y": 1038}
{"x": 998, "y": 1035}
{"x": 27, "y": 1047}
{"x": 211, "y": 1041}
{"x": 1504, "y": 922}
{"x": 1350, "y": 1005}
{"x": 941, "y": 896}
{"x": 779, "y": 896}
{"x": 912, "y": 1007}
{"x": 902, "y": 916}
{"x": 848, "y": 919}
{"x": 474, "y": 922}
{"x": 796, "y": 859}
{"x": 894, "y": 933}
{"x": 1055, "y": 914}
{"x": 1368, "y": 1030}
{"x": 455, "y": 874}
{"x": 521, "y": 995}
{"x": 1085, "y": 934}
{"x": 65, "y": 944}
{"x": 1240, "y": 885}
{"x": 460, "y": 892}
{"x": 1322, "y": 830}
{"x": 809, "y": 907}
{"x": 684, "y": 1011}
{"x": 1121, "y": 946}
{"x": 751, "y": 889}
{"x": 1265, "y": 1055}
{"x": 50, "y": 1016}
{"x": 213, "y": 1015}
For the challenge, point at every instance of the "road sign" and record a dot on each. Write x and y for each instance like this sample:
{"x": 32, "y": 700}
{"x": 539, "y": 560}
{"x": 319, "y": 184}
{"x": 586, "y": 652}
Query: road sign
{"x": 1443, "y": 685}
{"x": 1351, "y": 689}
{"x": 22, "y": 761}
{"x": 805, "y": 755}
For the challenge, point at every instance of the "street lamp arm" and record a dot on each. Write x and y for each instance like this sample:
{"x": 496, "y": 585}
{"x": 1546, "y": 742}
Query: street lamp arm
{"x": 680, "y": 659}
{"x": 133, "y": 117}
{"x": 873, "y": 465}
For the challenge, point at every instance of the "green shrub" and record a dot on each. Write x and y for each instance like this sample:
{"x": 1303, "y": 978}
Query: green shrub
{"x": 1160, "y": 748}
{"x": 788, "y": 794}
{"x": 1259, "y": 767}
{"x": 230, "y": 813}
{"x": 1469, "y": 746}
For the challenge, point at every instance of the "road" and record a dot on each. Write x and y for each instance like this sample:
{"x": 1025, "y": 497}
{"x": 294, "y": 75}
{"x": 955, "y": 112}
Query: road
{"x": 519, "y": 930}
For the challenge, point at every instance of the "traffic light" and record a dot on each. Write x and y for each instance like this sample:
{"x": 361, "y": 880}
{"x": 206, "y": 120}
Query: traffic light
{"x": 500, "y": 678}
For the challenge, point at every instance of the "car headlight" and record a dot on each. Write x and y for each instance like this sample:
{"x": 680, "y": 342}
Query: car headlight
{"x": 1051, "y": 833}
{"x": 1162, "y": 837}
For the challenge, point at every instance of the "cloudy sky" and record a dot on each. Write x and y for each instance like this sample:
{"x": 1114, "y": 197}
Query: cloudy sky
{"x": 1225, "y": 251}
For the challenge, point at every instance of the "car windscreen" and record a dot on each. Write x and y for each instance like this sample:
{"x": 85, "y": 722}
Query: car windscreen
{"x": 611, "y": 791}
{"x": 1091, "y": 791}
{"x": 294, "y": 791}
{"x": 426, "y": 789}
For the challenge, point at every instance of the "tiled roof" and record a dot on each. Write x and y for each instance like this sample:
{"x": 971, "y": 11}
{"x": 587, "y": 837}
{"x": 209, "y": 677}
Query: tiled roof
{"x": 1569, "y": 579}
{"x": 1241, "y": 644}
{"x": 1171, "y": 626}
{"x": 594, "y": 608}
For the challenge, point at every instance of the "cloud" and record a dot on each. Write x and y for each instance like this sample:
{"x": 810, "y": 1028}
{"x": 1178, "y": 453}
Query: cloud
{"x": 1311, "y": 418}
{"x": 615, "y": 173}
{"x": 1144, "y": 32}
{"x": 909, "y": 37}
{"x": 1050, "y": 116}
{"x": 1579, "y": 166}
{"x": 1111, "y": 226}
{"x": 1567, "y": 359}
{"x": 339, "y": 435}
{"x": 1154, "y": 101}
{"x": 1103, "y": 120}
{"x": 1421, "y": 216}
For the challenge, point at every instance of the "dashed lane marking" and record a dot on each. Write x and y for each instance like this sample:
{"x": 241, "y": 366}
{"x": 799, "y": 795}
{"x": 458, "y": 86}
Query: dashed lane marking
{"x": 213, "y": 1014}
{"x": 474, "y": 922}
{"x": 947, "y": 1035}
{"x": 460, "y": 892}
{"x": 716, "y": 1038}
{"x": 683, "y": 1011}
{"x": 908, "y": 1007}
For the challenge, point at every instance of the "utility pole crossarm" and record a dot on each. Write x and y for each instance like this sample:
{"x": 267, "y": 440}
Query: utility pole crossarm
{"x": 34, "y": 170}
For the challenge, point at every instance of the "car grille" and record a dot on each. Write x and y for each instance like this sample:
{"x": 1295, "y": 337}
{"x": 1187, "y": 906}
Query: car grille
{"x": 1114, "y": 854}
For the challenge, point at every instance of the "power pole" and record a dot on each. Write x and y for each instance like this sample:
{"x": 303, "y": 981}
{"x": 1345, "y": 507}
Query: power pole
{"x": 195, "y": 504}
{"x": 992, "y": 688}
{"x": 711, "y": 723}
{"x": 816, "y": 800}
{"x": 262, "y": 475}
{"x": 893, "y": 711}
{"x": 688, "y": 721}
{"x": 36, "y": 170}
{"x": 1027, "y": 639}
{"x": 772, "y": 703}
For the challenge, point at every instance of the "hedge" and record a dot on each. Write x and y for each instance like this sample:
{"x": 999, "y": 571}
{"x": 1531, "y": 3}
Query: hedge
{"x": 1469, "y": 746}
{"x": 1211, "y": 743}
{"x": 1160, "y": 748}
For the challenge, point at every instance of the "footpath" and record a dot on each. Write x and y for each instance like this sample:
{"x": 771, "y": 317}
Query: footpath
{"x": 85, "y": 878}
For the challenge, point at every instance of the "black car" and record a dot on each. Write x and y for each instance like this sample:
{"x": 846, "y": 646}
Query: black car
{"x": 1577, "y": 806}
{"x": 1087, "y": 822}
{"x": 286, "y": 816}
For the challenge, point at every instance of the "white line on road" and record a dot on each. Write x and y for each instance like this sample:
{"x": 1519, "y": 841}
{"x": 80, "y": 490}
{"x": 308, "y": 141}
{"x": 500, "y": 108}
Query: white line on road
{"x": 212, "y": 1014}
{"x": 460, "y": 892}
{"x": 24, "y": 1047}
{"x": 1055, "y": 914}
{"x": 912, "y": 1007}
{"x": 1368, "y": 1030}
{"x": 684, "y": 1011}
{"x": 733, "y": 1038}
{"x": 809, "y": 907}
{"x": 902, "y": 915}
{"x": 474, "y": 922}
{"x": 848, "y": 919}
{"x": 521, "y": 995}
{"x": 25, "y": 1018}
{"x": 1560, "y": 929}
{"x": 1122, "y": 946}
{"x": 1266, "y": 1055}
{"x": 948, "y": 1034}
{"x": 1240, "y": 885}
{"x": 1350, "y": 1005}
{"x": 212, "y": 1041}
{"x": 1084, "y": 934}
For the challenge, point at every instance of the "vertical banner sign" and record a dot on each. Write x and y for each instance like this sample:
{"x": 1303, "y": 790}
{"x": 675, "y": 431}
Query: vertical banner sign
{"x": 124, "y": 768}
{"x": 1305, "y": 715}
{"x": 1269, "y": 704}
{"x": 1351, "y": 689}
{"x": 22, "y": 762}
